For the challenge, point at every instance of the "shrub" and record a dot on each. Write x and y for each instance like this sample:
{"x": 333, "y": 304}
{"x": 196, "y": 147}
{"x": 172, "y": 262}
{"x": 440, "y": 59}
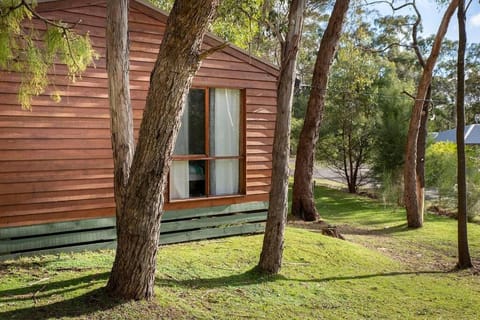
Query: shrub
{"x": 441, "y": 174}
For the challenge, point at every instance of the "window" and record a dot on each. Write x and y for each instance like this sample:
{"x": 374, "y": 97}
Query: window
{"x": 208, "y": 156}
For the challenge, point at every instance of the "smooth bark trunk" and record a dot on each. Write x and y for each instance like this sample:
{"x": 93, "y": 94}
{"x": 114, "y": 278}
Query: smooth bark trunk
{"x": 121, "y": 117}
{"x": 464, "y": 260}
{"x": 272, "y": 250}
{"x": 138, "y": 223}
{"x": 303, "y": 202}
{"x": 414, "y": 216}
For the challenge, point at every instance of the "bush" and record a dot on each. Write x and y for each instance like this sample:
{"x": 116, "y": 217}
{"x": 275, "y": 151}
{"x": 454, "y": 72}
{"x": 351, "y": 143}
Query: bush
{"x": 441, "y": 174}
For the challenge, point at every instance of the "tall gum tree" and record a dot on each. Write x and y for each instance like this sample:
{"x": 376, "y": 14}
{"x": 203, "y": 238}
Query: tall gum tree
{"x": 272, "y": 250}
{"x": 464, "y": 260}
{"x": 303, "y": 205}
{"x": 140, "y": 208}
{"x": 422, "y": 130}
{"x": 121, "y": 116}
{"x": 414, "y": 215}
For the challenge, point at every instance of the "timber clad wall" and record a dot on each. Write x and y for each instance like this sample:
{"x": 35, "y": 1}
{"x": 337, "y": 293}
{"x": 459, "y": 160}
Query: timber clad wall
{"x": 55, "y": 160}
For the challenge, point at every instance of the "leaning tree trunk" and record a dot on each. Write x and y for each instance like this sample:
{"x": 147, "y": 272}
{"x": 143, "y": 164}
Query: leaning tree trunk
{"x": 272, "y": 250}
{"x": 414, "y": 216}
{"x": 464, "y": 260}
{"x": 138, "y": 222}
{"x": 303, "y": 204}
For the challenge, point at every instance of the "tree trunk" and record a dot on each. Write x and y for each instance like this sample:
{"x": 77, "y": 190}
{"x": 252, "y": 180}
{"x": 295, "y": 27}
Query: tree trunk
{"x": 121, "y": 117}
{"x": 464, "y": 260}
{"x": 303, "y": 204}
{"x": 414, "y": 216}
{"x": 138, "y": 223}
{"x": 272, "y": 250}
{"x": 421, "y": 149}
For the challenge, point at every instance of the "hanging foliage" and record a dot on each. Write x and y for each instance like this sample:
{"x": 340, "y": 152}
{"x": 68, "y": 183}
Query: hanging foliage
{"x": 32, "y": 51}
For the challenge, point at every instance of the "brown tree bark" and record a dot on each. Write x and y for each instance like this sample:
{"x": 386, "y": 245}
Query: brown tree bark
{"x": 303, "y": 204}
{"x": 421, "y": 149}
{"x": 121, "y": 117}
{"x": 138, "y": 222}
{"x": 423, "y": 132}
{"x": 272, "y": 250}
{"x": 414, "y": 216}
{"x": 464, "y": 260}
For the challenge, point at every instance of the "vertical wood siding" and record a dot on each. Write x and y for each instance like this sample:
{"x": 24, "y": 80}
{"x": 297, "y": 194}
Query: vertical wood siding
{"x": 55, "y": 160}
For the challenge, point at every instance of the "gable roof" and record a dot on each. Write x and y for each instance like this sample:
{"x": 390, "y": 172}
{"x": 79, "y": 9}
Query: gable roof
{"x": 147, "y": 8}
{"x": 472, "y": 135}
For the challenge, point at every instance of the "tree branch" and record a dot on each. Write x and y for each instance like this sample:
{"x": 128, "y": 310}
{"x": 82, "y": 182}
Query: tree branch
{"x": 47, "y": 21}
{"x": 212, "y": 50}
{"x": 66, "y": 28}
{"x": 390, "y": 4}
{"x": 395, "y": 44}
{"x": 468, "y": 5}
{"x": 415, "y": 46}
{"x": 10, "y": 9}
{"x": 408, "y": 94}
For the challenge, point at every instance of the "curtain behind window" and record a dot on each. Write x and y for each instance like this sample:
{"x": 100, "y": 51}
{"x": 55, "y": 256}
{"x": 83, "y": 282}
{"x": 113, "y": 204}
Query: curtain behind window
{"x": 179, "y": 180}
{"x": 224, "y": 140}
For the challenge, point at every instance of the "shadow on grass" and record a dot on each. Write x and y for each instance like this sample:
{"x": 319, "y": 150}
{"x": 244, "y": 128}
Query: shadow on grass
{"x": 373, "y": 275}
{"x": 87, "y": 303}
{"x": 253, "y": 277}
{"x": 347, "y": 229}
{"x": 249, "y": 277}
{"x": 57, "y": 287}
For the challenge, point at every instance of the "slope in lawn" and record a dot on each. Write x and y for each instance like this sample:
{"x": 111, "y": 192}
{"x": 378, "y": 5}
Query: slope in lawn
{"x": 321, "y": 278}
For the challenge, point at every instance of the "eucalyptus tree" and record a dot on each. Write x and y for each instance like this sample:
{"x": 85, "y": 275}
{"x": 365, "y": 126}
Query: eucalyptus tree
{"x": 351, "y": 112}
{"x": 464, "y": 260}
{"x": 273, "y": 241}
{"x": 250, "y": 24}
{"x": 303, "y": 205}
{"x": 140, "y": 206}
{"x": 413, "y": 201}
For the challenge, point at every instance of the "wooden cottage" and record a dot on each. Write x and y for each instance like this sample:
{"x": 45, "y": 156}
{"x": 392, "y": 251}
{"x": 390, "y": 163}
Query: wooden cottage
{"x": 56, "y": 168}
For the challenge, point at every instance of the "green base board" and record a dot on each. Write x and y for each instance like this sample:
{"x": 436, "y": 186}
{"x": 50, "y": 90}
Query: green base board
{"x": 177, "y": 226}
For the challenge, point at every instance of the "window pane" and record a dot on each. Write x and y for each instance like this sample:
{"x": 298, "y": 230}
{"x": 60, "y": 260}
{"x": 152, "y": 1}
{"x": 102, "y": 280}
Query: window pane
{"x": 191, "y": 137}
{"x": 224, "y": 122}
{"x": 187, "y": 179}
{"x": 179, "y": 180}
{"x": 196, "y": 177}
{"x": 224, "y": 177}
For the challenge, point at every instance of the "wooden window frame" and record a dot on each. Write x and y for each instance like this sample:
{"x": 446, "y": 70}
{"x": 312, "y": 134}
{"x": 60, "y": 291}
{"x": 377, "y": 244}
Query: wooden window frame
{"x": 242, "y": 158}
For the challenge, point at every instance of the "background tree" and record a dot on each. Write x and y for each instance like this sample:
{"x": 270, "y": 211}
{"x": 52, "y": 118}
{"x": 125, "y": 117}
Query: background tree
{"x": 388, "y": 150}
{"x": 138, "y": 220}
{"x": 464, "y": 260}
{"x": 251, "y": 24}
{"x": 414, "y": 216}
{"x": 21, "y": 52}
{"x": 303, "y": 205}
{"x": 272, "y": 249}
{"x": 444, "y": 86}
{"x": 350, "y": 113}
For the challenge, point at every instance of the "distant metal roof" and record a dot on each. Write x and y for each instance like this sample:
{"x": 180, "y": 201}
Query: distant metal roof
{"x": 472, "y": 135}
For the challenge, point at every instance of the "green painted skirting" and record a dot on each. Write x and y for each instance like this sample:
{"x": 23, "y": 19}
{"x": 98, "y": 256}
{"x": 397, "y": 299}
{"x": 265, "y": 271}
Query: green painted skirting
{"x": 91, "y": 234}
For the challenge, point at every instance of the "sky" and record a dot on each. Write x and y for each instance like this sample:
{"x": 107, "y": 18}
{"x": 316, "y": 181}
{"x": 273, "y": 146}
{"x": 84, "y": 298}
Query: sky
{"x": 432, "y": 15}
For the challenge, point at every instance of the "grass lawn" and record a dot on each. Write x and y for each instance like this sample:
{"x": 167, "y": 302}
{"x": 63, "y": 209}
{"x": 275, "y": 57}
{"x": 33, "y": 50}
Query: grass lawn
{"x": 382, "y": 271}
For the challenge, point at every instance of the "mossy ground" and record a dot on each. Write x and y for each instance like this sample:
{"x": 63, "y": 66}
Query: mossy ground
{"x": 382, "y": 271}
